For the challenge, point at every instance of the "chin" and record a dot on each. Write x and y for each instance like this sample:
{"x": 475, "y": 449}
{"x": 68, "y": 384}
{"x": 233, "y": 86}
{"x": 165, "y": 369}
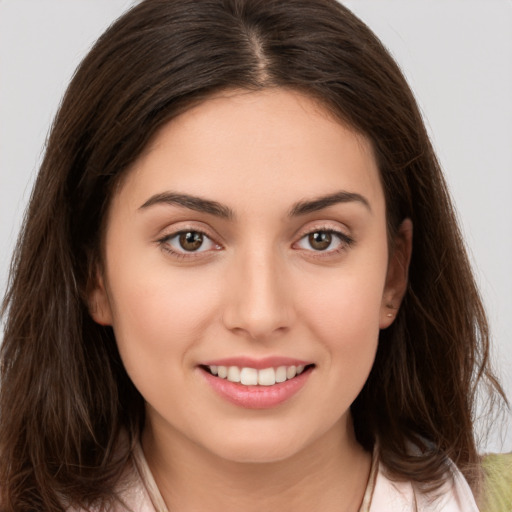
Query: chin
{"x": 258, "y": 449}
{"x": 257, "y": 455}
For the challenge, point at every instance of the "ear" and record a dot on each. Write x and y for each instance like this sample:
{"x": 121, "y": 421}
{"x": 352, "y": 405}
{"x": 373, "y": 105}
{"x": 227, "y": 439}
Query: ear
{"x": 397, "y": 275}
{"x": 98, "y": 302}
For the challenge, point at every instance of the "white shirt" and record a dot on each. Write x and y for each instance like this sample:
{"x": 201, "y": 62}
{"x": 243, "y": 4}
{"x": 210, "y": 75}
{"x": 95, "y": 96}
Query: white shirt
{"x": 139, "y": 492}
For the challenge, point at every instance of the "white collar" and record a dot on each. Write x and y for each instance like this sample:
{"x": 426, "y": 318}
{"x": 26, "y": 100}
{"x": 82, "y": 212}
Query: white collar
{"x": 382, "y": 494}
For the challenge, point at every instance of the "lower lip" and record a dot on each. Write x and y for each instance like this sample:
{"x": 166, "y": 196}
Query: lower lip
{"x": 257, "y": 397}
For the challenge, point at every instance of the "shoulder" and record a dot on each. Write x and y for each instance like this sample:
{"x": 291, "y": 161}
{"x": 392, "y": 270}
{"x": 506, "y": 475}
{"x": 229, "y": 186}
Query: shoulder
{"x": 399, "y": 496}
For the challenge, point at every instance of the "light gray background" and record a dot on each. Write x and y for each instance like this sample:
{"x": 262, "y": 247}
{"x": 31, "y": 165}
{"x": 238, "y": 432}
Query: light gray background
{"x": 456, "y": 54}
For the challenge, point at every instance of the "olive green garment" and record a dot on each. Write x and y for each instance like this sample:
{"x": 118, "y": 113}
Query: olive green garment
{"x": 498, "y": 482}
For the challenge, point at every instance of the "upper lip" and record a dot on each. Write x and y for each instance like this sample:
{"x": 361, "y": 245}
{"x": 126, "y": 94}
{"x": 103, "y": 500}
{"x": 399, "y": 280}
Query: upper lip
{"x": 258, "y": 364}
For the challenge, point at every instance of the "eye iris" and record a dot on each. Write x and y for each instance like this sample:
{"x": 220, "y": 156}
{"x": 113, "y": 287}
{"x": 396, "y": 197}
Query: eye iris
{"x": 191, "y": 240}
{"x": 320, "y": 240}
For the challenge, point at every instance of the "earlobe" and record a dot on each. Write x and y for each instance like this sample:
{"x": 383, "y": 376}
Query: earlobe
{"x": 397, "y": 274}
{"x": 98, "y": 303}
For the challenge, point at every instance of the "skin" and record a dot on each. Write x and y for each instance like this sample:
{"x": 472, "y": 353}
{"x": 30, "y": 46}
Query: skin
{"x": 257, "y": 287}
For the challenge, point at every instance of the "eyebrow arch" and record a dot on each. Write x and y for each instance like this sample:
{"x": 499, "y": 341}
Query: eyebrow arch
{"x": 192, "y": 202}
{"x": 304, "y": 207}
{"x": 202, "y": 205}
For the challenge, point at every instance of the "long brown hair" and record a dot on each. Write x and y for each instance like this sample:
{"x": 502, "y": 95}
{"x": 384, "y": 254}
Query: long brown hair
{"x": 65, "y": 398}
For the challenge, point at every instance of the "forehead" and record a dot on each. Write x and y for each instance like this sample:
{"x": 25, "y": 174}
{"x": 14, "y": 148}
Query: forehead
{"x": 242, "y": 147}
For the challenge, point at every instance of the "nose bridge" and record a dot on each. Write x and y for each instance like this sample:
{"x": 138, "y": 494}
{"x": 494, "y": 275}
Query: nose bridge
{"x": 258, "y": 301}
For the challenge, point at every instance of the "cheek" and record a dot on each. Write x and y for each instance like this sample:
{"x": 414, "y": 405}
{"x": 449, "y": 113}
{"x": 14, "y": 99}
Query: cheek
{"x": 344, "y": 316}
{"x": 159, "y": 315}
{"x": 346, "y": 302}
{"x": 350, "y": 331}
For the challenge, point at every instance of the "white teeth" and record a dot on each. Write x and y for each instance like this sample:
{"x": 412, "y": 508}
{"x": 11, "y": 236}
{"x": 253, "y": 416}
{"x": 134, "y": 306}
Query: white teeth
{"x": 249, "y": 376}
{"x": 253, "y": 377}
{"x": 281, "y": 374}
{"x": 267, "y": 377}
{"x": 234, "y": 374}
{"x": 291, "y": 371}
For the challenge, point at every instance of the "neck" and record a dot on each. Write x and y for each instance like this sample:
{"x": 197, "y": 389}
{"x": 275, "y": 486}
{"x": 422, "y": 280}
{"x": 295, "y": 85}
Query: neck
{"x": 331, "y": 474}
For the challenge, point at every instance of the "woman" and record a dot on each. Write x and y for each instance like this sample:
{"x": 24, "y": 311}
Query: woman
{"x": 218, "y": 300}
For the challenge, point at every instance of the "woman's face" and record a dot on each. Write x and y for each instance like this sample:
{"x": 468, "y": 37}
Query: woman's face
{"x": 250, "y": 240}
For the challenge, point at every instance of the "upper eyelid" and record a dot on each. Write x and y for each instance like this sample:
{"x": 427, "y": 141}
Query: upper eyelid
{"x": 345, "y": 239}
{"x": 170, "y": 232}
{"x": 344, "y": 234}
{"x": 182, "y": 254}
{"x": 333, "y": 227}
{"x": 178, "y": 233}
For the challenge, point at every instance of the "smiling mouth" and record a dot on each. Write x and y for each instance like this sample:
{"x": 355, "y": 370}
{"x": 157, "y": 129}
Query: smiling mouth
{"x": 247, "y": 376}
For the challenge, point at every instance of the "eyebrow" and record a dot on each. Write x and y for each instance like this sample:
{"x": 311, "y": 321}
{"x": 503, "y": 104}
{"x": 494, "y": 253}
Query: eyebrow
{"x": 304, "y": 207}
{"x": 202, "y": 205}
{"x": 191, "y": 202}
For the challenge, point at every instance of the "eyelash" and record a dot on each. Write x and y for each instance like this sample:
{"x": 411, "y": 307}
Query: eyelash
{"x": 164, "y": 243}
{"x": 345, "y": 242}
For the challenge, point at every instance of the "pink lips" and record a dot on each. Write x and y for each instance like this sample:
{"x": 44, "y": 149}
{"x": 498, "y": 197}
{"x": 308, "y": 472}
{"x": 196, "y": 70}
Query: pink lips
{"x": 256, "y": 397}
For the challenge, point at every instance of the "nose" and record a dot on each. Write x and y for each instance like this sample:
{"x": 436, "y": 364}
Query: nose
{"x": 258, "y": 301}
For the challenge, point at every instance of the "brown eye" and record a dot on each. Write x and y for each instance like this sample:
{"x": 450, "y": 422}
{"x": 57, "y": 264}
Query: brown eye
{"x": 184, "y": 243}
{"x": 191, "y": 241}
{"x": 320, "y": 240}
